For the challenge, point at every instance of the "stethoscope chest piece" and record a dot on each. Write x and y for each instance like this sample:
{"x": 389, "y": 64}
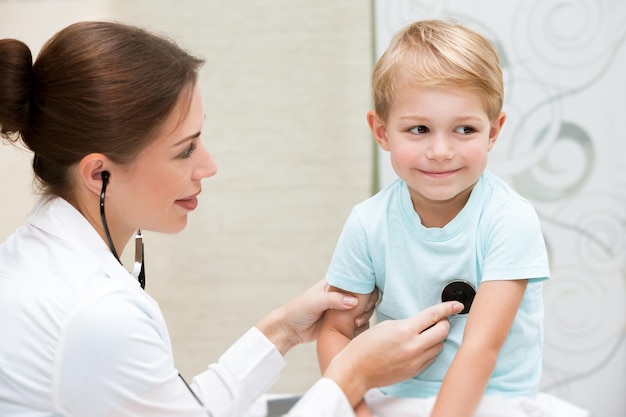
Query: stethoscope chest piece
{"x": 459, "y": 290}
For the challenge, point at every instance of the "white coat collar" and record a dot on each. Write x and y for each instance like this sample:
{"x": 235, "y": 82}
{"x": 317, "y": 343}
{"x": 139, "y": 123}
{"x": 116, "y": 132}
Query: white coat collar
{"x": 58, "y": 217}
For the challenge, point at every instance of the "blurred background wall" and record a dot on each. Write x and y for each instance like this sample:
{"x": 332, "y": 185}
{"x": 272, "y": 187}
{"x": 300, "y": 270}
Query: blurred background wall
{"x": 286, "y": 89}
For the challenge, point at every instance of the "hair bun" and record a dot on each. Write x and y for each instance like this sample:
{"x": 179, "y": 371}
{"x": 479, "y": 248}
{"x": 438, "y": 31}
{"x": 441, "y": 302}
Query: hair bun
{"x": 16, "y": 66}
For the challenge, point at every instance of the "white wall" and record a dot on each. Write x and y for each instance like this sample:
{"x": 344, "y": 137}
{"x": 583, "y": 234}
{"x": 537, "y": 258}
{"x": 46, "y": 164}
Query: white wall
{"x": 562, "y": 147}
{"x": 286, "y": 91}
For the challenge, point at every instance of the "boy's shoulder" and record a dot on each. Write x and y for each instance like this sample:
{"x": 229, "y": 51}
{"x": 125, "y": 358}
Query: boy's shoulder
{"x": 500, "y": 190}
{"x": 502, "y": 201}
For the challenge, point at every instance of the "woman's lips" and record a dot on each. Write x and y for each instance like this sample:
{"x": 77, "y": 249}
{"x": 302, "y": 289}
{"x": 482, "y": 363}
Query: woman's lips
{"x": 189, "y": 203}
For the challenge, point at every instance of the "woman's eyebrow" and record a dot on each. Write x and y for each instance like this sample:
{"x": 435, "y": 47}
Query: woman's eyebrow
{"x": 185, "y": 139}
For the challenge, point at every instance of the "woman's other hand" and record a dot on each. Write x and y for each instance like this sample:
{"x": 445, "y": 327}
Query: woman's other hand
{"x": 299, "y": 320}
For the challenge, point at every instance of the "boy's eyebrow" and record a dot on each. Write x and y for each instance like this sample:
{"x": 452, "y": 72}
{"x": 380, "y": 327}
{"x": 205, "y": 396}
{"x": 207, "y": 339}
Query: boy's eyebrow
{"x": 414, "y": 117}
{"x": 469, "y": 117}
{"x": 465, "y": 118}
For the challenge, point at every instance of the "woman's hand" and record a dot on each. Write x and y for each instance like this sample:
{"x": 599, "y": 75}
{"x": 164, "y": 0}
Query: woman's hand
{"x": 391, "y": 351}
{"x": 299, "y": 320}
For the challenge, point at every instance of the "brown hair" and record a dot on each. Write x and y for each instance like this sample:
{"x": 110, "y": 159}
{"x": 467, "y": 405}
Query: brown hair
{"x": 95, "y": 87}
{"x": 434, "y": 53}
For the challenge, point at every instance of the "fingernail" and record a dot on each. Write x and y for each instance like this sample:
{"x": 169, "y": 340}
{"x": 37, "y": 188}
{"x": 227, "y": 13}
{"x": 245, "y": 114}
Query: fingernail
{"x": 458, "y": 307}
{"x": 350, "y": 301}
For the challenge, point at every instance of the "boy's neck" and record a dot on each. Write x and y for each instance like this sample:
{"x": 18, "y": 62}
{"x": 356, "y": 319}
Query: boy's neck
{"x": 439, "y": 213}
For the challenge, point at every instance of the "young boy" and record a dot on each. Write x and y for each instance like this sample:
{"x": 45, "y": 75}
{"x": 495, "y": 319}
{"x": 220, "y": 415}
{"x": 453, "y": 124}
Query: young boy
{"x": 438, "y": 95}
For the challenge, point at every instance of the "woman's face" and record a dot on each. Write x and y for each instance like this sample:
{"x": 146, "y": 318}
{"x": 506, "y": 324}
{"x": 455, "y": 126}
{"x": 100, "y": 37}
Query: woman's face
{"x": 160, "y": 188}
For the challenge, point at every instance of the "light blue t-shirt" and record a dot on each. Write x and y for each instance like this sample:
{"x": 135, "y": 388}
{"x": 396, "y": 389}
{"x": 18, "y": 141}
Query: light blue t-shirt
{"x": 496, "y": 236}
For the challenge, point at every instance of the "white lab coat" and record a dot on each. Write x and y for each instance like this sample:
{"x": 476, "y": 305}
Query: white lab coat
{"x": 81, "y": 338}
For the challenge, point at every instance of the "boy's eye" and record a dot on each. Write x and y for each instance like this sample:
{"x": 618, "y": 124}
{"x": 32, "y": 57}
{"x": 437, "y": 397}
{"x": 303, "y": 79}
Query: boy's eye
{"x": 419, "y": 130}
{"x": 189, "y": 150}
{"x": 465, "y": 130}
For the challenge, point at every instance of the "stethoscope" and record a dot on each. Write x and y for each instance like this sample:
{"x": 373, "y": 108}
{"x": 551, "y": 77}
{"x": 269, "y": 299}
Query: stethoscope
{"x": 139, "y": 271}
{"x": 459, "y": 290}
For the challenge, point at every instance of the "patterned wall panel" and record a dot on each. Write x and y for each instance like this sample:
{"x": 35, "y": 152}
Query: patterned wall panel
{"x": 562, "y": 147}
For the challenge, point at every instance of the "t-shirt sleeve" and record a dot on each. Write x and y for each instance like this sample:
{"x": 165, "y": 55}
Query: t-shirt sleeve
{"x": 514, "y": 247}
{"x": 351, "y": 267}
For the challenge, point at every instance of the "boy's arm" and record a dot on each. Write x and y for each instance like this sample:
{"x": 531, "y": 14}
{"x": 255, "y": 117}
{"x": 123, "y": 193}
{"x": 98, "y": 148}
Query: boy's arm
{"x": 488, "y": 324}
{"x": 338, "y": 328}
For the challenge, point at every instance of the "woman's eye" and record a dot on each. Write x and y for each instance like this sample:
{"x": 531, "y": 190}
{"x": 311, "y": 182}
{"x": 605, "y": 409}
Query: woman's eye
{"x": 189, "y": 150}
{"x": 419, "y": 130}
{"x": 465, "y": 130}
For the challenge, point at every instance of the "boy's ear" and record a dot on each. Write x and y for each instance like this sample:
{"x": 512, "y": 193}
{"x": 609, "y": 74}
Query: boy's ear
{"x": 90, "y": 171}
{"x": 378, "y": 128}
{"x": 495, "y": 129}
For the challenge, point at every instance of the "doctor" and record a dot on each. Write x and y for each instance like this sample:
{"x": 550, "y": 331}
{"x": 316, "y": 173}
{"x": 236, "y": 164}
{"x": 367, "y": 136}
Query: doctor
{"x": 113, "y": 115}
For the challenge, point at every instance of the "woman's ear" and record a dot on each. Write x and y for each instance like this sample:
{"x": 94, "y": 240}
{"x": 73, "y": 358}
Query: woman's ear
{"x": 90, "y": 170}
{"x": 378, "y": 128}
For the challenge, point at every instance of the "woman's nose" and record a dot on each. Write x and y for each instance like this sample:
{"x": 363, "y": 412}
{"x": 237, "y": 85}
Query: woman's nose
{"x": 206, "y": 166}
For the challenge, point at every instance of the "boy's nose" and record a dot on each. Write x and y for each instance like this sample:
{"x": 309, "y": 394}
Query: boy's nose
{"x": 439, "y": 149}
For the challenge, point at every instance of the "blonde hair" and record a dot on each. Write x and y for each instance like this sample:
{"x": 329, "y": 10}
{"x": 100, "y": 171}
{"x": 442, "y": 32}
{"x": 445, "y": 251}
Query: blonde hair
{"x": 435, "y": 53}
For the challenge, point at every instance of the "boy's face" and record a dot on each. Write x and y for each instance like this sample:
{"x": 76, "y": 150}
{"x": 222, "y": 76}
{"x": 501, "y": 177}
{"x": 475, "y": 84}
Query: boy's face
{"x": 438, "y": 139}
